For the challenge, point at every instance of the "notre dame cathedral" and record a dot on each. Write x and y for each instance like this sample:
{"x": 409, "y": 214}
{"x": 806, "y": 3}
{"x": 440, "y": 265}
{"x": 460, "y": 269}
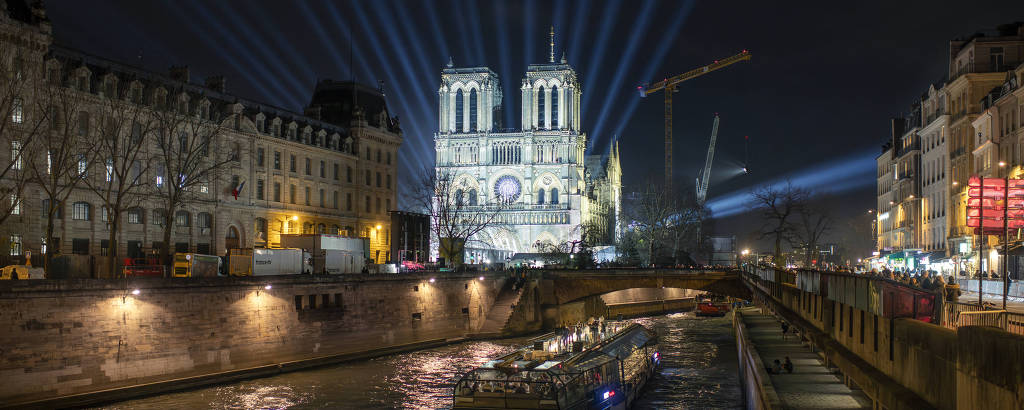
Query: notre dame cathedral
{"x": 548, "y": 189}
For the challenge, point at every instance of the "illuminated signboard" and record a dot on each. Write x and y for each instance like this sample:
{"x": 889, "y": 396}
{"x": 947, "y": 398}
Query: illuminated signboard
{"x": 988, "y": 201}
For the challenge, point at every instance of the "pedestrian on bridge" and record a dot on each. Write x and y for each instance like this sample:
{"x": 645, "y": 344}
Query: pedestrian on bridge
{"x": 785, "y": 330}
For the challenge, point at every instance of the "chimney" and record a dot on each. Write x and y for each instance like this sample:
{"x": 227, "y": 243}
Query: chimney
{"x": 216, "y": 83}
{"x": 313, "y": 112}
{"x": 179, "y": 73}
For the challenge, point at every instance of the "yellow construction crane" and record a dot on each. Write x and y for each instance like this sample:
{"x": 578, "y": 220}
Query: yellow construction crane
{"x": 668, "y": 85}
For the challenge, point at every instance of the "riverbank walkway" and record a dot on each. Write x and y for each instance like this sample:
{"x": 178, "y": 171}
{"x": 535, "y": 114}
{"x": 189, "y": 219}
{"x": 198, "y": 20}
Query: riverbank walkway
{"x": 811, "y": 385}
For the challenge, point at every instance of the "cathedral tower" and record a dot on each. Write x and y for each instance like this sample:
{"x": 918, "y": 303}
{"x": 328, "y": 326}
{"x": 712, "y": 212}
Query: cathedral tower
{"x": 470, "y": 100}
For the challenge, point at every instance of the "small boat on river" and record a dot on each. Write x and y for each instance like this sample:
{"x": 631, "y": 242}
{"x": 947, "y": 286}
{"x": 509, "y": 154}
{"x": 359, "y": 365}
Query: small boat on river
{"x": 598, "y": 366}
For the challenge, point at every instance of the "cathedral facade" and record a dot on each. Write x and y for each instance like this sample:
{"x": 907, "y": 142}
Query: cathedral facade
{"x": 547, "y": 190}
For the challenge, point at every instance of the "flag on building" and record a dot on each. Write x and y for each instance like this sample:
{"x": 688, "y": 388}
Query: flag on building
{"x": 238, "y": 189}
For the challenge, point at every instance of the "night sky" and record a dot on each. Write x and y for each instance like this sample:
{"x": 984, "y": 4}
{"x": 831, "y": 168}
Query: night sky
{"x": 815, "y": 100}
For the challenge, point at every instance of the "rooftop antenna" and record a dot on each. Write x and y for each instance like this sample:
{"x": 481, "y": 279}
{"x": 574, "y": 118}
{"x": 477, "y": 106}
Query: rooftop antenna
{"x": 552, "y": 58}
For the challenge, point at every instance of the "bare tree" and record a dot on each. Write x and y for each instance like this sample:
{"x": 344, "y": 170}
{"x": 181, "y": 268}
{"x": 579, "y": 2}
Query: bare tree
{"x": 458, "y": 213}
{"x": 657, "y": 216}
{"x": 61, "y": 156}
{"x": 19, "y": 128}
{"x": 814, "y": 222}
{"x": 779, "y": 208}
{"x": 186, "y": 161}
{"x": 120, "y": 149}
{"x": 576, "y": 250}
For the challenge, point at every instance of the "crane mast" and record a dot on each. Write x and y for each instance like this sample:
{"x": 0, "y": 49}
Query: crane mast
{"x": 668, "y": 86}
{"x": 702, "y": 182}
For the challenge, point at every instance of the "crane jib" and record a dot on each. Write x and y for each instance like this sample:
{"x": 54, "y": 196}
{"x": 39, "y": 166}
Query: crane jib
{"x": 668, "y": 85}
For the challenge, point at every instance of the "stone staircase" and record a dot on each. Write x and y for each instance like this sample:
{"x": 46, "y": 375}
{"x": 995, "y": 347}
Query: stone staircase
{"x": 500, "y": 313}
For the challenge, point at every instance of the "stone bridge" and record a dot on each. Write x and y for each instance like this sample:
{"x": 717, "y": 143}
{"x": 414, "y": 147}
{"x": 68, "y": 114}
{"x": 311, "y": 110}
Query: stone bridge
{"x": 569, "y": 286}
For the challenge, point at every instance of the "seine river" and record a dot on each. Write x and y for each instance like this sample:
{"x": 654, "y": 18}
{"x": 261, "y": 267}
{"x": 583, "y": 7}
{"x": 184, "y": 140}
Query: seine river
{"x": 699, "y": 370}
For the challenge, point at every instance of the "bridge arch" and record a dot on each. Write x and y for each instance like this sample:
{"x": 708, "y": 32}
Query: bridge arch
{"x": 571, "y": 286}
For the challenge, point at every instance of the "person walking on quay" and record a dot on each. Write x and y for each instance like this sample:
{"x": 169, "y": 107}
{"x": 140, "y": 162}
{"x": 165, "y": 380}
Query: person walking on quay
{"x": 788, "y": 365}
{"x": 776, "y": 367}
{"x": 785, "y": 329}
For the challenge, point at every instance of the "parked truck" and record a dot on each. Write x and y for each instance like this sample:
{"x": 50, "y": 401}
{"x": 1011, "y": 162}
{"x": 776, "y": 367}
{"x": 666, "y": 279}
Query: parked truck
{"x": 190, "y": 265}
{"x": 332, "y": 254}
{"x": 262, "y": 261}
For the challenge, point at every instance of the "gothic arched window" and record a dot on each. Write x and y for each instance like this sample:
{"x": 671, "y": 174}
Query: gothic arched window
{"x": 554, "y": 195}
{"x": 458, "y": 111}
{"x": 458, "y": 197}
{"x": 540, "y": 196}
{"x": 472, "y": 110}
{"x": 554, "y": 107}
{"x": 472, "y": 197}
{"x": 540, "y": 107}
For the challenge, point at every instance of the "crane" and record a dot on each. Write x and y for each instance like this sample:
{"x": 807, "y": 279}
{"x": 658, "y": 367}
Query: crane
{"x": 668, "y": 85}
{"x": 702, "y": 180}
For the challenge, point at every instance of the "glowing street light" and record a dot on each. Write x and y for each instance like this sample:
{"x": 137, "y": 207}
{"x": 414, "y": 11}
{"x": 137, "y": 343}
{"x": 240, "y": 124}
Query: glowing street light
{"x": 136, "y": 292}
{"x": 481, "y": 278}
{"x": 378, "y": 227}
{"x": 431, "y": 280}
{"x": 267, "y": 287}
{"x": 745, "y": 252}
{"x": 295, "y": 217}
{"x": 1002, "y": 164}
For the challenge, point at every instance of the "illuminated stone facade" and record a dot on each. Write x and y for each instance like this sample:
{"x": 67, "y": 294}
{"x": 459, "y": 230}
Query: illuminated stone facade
{"x": 332, "y": 169}
{"x": 539, "y": 175}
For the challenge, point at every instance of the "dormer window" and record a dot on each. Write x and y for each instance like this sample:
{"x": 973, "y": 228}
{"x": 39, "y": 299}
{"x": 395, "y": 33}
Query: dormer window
{"x": 83, "y": 83}
{"x": 259, "y": 124}
{"x": 111, "y": 88}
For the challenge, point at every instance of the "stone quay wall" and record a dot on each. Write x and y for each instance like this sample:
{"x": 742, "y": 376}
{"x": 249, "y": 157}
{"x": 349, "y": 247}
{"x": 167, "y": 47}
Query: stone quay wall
{"x": 75, "y": 337}
{"x": 904, "y": 363}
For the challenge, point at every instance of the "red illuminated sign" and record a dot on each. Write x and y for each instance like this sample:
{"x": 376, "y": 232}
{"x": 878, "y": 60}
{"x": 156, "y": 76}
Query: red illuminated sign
{"x": 988, "y": 201}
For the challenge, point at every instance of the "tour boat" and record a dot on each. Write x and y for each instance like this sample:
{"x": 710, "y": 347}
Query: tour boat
{"x": 600, "y": 366}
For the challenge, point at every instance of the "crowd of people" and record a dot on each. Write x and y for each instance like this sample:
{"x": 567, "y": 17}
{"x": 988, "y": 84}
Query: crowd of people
{"x": 924, "y": 279}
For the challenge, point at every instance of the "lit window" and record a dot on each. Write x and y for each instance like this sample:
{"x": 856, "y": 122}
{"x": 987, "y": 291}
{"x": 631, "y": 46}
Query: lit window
{"x": 135, "y": 216}
{"x": 17, "y": 110}
{"x": 110, "y": 170}
{"x": 15, "y": 205}
{"x": 16, "y": 245}
{"x": 80, "y": 211}
{"x": 204, "y": 189}
{"x": 83, "y": 166}
{"x": 16, "y": 154}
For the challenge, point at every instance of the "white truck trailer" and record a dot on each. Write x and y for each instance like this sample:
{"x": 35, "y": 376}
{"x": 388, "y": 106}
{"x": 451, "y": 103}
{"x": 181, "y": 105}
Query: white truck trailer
{"x": 332, "y": 254}
{"x": 261, "y": 262}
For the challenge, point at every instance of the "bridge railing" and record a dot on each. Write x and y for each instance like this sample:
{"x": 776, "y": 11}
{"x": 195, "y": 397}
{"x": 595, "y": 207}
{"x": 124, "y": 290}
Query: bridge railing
{"x": 876, "y": 295}
{"x": 956, "y": 314}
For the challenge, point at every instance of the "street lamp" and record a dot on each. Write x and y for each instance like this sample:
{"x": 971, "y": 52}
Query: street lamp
{"x": 295, "y": 217}
{"x": 1002, "y": 164}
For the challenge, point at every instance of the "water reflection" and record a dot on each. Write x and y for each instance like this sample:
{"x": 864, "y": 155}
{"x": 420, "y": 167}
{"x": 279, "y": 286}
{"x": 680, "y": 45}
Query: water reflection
{"x": 698, "y": 359}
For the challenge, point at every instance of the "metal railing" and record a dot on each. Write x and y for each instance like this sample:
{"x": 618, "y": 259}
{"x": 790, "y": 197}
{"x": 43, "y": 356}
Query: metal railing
{"x": 956, "y": 314}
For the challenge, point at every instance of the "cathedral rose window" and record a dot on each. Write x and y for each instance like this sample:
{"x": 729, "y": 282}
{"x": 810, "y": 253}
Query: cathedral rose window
{"x": 507, "y": 188}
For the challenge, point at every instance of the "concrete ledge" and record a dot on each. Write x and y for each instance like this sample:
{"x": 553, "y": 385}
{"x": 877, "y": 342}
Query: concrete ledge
{"x": 753, "y": 371}
{"x": 876, "y": 383}
{"x": 186, "y": 383}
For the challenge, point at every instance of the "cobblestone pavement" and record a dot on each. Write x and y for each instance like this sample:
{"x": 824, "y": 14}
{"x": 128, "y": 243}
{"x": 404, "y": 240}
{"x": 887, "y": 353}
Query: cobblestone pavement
{"x": 811, "y": 385}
